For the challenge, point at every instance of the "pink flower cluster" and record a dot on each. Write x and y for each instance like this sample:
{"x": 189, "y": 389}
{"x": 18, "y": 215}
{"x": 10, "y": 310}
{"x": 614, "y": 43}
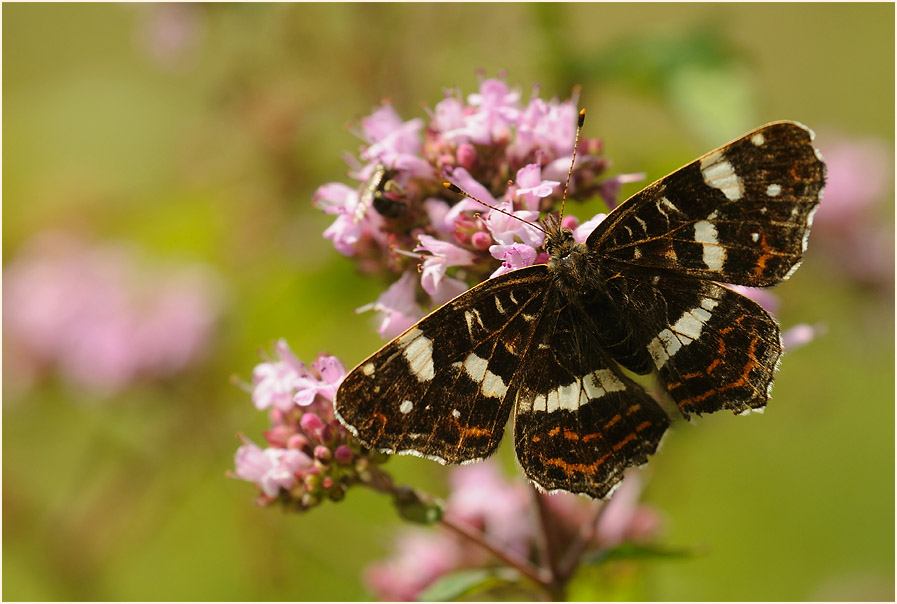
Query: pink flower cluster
{"x": 309, "y": 456}
{"x": 99, "y": 316}
{"x": 482, "y": 499}
{"x": 510, "y": 155}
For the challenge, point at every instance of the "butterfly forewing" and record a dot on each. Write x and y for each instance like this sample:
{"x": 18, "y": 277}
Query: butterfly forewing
{"x": 441, "y": 389}
{"x": 740, "y": 214}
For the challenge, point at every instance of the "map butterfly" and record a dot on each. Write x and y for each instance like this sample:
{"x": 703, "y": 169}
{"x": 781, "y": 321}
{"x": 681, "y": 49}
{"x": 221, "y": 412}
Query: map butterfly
{"x": 550, "y": 342}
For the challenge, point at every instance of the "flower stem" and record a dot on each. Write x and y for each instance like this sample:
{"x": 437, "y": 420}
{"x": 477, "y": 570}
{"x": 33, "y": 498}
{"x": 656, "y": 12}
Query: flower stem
{"x": 382, "y": 482}
{"x": 550, "y": 547}
{"x": 506, "y": 556}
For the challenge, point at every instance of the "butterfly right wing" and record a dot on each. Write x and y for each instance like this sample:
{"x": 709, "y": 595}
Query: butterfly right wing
{"x": 739, "y": 214}
{"x": 440, "y": 390}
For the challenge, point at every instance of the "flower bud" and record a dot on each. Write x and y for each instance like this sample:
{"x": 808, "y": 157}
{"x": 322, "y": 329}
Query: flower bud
{"x": 323, "y": 454}
{"x": 311, "y": 424}
{"x": 343, "y": 455}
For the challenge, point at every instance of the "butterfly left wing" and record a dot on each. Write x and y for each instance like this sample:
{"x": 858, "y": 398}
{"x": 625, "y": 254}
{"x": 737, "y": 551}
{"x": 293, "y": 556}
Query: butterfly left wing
{"x": 441, "y": 389}
{"x": 580, "y": 422}
{"x": 740, "y": 214}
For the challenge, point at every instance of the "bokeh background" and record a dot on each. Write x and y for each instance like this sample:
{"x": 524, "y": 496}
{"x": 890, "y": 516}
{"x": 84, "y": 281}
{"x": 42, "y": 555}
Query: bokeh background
{"x": 158, "y": 167}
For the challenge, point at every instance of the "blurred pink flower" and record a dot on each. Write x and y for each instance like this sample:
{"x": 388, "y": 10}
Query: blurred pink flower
{"x": 420, "y": 558}
{"x": 482, "y": 497}
{"x": 623, "y": 518}
{"x": 849, "y": 225}
{"x": 101, "y": 317}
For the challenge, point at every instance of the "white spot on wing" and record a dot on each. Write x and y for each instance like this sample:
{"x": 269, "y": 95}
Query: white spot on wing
{"x": 368, "y": 369}
{"x": 491, "y": 385}
{"x": 683, "y": 332}
{"x": 714, "y": 255}
{"x": 773, "y": 190}
{"x": 475, "y": 367}
{"x": 758, "y": 139}
{"x": 418, "y": 351}
{"x": 719, "y": 174}
{"x": 406, "y": 406}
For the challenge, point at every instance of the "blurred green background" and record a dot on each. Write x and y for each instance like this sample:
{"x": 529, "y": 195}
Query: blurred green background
{"x": 199, "y": 133}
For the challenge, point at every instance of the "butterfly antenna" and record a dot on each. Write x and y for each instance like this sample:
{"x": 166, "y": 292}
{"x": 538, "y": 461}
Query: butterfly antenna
{"x": 579, "y": 123}
{"x": 456, "y": 189}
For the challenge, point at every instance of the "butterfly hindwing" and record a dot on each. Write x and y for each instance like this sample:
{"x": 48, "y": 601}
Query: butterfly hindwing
{"x": 580, "y": 421}
{"x": 712, "y": 347}
{"x": 740, "y": 214}
{"x": 440, "y": 390}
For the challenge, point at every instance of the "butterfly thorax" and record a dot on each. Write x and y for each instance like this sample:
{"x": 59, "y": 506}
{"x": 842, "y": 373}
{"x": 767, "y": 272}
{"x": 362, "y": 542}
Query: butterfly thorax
{"x": 569, "y": 261}
{"x": 580, "y": 283}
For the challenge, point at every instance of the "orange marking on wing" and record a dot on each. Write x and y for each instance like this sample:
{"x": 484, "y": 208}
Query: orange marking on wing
{"x": 583, "y": 468}
{"x": 633, "y": 409}
{"x": 554, "y": 431}
{"x": 642, "y": 426}
{"x": 629, "y": 438}
{"x": 468, "y": 431}
{"x": 612, "y": 421}
{"x": 761, "y": 261}
{"x": 570, "y": 435}
{"x": 590, "y": 437}
{"x": 742, "y": 381}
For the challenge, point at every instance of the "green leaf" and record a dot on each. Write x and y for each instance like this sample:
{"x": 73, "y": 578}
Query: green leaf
{"x": 464, "y": 583}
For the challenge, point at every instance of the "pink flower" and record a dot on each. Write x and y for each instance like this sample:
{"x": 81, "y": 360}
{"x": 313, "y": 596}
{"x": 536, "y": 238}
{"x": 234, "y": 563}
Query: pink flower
{"x": 274, "y": 383}
{"x": 581, "y": 233}
{"x": 482, "y": 497}
{"x": 442, "y": 255}
{"x": 308, "y": 387}
{"x": 848, "y": 226}
{"x": 398, "y": 305}
{"x": 624, "y": 519}
{"x": 270, "y": 469}
{"x": 449, "y": 288}
{"x": 506, "y": 230}
{"x": 420, "y": 558}
{"x": 395, "y": 143}
{"x": 545, "y": 126}
{"x": 800, "y": 335}
{"x": 764, "y": 297}
{"x": 100, "y": 316}
{"x": 514, "y": 256}
{"x": 461, "y": 178}
{"x": 346, "y": 231}
{"x": 530, "y": 186}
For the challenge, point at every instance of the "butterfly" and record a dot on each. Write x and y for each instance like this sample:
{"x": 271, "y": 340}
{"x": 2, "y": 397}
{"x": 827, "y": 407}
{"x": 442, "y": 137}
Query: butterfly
{"x": 555, "y": 344}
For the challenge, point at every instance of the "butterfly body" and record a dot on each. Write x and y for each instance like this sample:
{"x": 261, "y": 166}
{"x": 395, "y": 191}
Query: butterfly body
{"x": 549, "y": 342}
